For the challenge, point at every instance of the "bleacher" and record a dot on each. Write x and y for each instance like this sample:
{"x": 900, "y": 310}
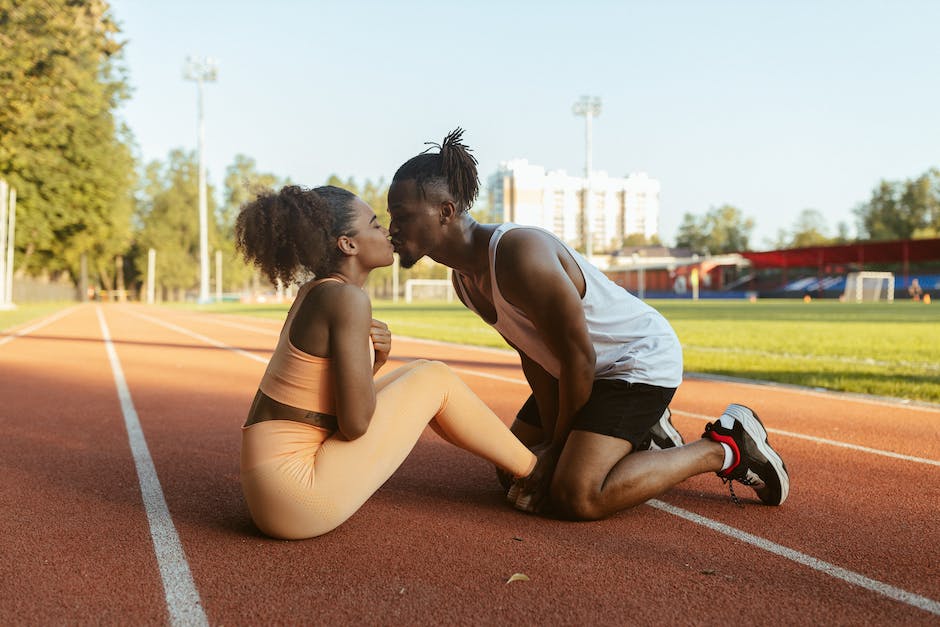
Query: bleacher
{"x": 835, "y": 285}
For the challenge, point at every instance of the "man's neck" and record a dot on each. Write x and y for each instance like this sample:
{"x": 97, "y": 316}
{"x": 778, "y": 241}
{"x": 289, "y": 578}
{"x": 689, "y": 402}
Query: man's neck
{"x": 467, "y": 249}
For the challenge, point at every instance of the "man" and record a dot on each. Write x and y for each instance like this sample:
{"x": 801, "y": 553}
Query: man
{"x": 603, "y": 366}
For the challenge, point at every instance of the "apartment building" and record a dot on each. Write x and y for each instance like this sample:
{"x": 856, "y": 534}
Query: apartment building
{"x": 529, "y": 194}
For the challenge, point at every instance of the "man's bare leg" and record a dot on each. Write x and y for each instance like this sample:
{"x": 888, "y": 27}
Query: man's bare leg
{"x": 598, "y": 475}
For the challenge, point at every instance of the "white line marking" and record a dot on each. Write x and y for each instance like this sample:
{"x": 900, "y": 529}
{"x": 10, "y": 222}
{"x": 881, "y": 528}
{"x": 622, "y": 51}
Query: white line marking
{"x": 197, "y": 336}
{"x": 36, "y": 326}
{"x": 236, "y": 325}
{"x": 832, "y": 570}
{"x": 182, "y": 598}
{"x": 496, "y": 377}
{"x": 851, "y": 397}
{"x": 878, "y": 587}
{"x": 811, "y": 438}
{"x": 487, "y": 375}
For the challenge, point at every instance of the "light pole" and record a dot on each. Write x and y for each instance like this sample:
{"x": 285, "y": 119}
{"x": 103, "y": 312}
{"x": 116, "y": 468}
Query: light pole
{"x": 590, "y": 108}
{"x": 202, "y": 70}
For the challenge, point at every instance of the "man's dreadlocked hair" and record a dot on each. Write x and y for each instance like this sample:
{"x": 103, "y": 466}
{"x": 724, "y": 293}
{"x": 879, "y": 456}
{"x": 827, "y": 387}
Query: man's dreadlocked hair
{"x": 452, "y": 169}
{"x": 284, "y": 233}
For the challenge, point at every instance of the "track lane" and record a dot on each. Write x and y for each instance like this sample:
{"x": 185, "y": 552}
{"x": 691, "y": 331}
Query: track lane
{"x": 910, "y": 496}
{"x": 436, "y": 543}
{"x": 514, "y": 403}
{"x": 75, "y": 544}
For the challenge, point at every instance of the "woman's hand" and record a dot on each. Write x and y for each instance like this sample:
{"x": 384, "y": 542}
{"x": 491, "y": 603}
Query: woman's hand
{"x": 381, "y": 342}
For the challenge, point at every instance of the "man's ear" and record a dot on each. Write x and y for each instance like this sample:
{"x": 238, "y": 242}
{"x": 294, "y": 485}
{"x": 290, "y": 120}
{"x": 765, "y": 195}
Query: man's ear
{"x": 448, "y": 211}
{"x": 346, "y": 245}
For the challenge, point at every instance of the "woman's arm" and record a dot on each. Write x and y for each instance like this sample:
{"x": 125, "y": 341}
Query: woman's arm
{"x": 381, "y": 343}
{"x": 350, "y": 325}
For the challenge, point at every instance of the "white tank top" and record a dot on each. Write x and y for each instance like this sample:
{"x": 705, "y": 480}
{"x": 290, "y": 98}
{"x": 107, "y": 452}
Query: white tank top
{"x": 632, "y": 341}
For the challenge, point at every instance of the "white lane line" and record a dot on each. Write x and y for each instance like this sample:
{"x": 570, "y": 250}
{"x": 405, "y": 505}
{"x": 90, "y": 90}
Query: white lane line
{"x": 486, "y": 375}
{"x": 801, "y": 390}
{"x": 37, "y": 326}
{"x": 811, "y": 438}
{"x": 198, "y": 336}
{"x": 830, "y": 569}
{"x": 182, "y": 598}
{"x": 878, "y": 587}
{"x": 238, "y": 325}
{"x": 496, "y": 377}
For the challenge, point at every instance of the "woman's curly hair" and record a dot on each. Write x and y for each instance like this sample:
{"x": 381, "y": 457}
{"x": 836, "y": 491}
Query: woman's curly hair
{"x": 283, "y": 233}
{"x": 452, "y": 169}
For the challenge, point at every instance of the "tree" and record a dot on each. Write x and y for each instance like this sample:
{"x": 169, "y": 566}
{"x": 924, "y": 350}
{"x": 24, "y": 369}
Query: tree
{"x": 902, "y": 209}
{"x": 60, "y": 145}
{"x": 921, "y": 199}
{"x": 722, "y": 230}
{"x": 640, "y": 239}
{"x": 242, "y": 183}
{"x": 168, "y": 215}
{"x": 809, "y": 230}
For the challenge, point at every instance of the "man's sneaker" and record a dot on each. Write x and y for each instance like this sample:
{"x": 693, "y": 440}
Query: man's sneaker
{"x": 755, "y": 463}
{"x": 661, "y": 435}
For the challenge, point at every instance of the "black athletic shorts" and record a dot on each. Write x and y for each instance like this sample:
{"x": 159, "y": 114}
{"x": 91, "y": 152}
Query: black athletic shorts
{"x": 617, "y": 408}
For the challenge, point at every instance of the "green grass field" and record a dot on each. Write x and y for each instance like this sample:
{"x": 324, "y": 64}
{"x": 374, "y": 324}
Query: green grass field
{"x": 882, "y": 349}
{"x": 24, "y": 313}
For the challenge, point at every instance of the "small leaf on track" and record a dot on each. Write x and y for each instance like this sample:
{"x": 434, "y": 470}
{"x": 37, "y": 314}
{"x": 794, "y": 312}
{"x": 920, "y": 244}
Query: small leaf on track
{"x": 518, "y": 577}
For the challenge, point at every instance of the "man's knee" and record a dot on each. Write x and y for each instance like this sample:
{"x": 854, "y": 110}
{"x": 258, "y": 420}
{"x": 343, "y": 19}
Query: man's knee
{"x": 577, "y": 500}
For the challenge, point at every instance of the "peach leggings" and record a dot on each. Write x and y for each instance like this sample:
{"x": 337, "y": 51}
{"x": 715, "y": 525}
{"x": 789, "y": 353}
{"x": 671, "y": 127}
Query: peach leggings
{"x": 301, "y": 481}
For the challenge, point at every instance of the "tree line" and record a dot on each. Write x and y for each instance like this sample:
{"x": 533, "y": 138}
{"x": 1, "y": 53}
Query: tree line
{"x": 84, "y": 201}
{"x": 903, "y": 209}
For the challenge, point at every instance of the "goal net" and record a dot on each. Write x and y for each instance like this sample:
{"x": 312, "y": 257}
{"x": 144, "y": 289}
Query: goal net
{"x": 428, "y": 289}
{"x": 869, "y": 287}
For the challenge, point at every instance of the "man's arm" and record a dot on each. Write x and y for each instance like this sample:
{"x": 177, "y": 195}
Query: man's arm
{"x": 532, "y": 278}
{"x": 545, "y": 388}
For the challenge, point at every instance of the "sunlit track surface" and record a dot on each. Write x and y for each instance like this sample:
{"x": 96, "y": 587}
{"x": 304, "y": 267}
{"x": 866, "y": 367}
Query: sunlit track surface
{"x": 857, "y": 542}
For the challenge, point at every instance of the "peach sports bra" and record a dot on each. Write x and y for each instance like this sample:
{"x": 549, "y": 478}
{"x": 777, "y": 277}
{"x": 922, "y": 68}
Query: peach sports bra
{"x": 296, "y": 378}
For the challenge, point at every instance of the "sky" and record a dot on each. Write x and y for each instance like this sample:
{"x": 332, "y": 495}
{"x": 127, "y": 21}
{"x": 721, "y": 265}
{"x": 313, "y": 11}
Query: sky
{"x": 773, "y": 107}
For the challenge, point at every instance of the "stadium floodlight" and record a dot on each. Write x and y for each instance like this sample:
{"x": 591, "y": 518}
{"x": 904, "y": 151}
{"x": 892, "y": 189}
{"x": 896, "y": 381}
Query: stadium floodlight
{"x": 202, "y": 70}
{"x": 589, "y": 107}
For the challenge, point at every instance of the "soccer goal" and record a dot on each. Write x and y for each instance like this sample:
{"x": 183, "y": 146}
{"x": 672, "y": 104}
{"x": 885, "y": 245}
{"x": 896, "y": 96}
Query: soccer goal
{"x": 869, "y": 287}
{"x": 428, "y": 289}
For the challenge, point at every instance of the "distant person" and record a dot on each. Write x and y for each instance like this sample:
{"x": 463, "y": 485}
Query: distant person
{"x": 915, "y": 290}
{"x": 603, "y": 366}
{"x": 322, "y": 435}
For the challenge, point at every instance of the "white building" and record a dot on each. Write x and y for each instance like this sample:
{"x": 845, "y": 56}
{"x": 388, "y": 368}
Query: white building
{"x": 528, "y": 194}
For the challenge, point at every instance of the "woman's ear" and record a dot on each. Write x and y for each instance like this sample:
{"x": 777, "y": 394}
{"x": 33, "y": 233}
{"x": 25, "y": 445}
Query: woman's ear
{"x": 346, "y": 245}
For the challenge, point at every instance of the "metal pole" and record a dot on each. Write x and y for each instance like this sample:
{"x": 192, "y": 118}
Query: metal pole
{"x": 218, "y": 276}
{"x": 151, "y": 275}
{"x": 589, "y": 196}
{"x": 589, "y": 108}
{"x": 203, "y": 211}
{"x": 83, "y": 279}
{"x": 202, "y": 70}
{"x": 3, "y": 241}
{"x": 11, "y": 244}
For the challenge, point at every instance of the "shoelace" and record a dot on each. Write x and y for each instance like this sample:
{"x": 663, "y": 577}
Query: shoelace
{"x": 734, "y": 497}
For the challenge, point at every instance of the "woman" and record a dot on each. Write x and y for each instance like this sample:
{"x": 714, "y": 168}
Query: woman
{"x": 322, "y": 435}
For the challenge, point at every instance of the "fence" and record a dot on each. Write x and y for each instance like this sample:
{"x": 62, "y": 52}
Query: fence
{"x": 26, "y": 290}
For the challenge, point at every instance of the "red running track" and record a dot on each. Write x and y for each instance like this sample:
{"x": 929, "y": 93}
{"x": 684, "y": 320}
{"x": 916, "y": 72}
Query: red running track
{"x": 122, "y": 504}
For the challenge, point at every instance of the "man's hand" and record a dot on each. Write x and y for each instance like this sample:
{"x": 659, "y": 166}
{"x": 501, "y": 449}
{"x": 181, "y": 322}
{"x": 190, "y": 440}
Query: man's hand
{"x": 534, "y": 489}
{"x": 381, "y": 342}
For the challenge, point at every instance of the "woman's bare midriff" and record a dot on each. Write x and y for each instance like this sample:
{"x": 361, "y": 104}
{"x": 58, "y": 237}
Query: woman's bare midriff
{"x": 264, "y": 408}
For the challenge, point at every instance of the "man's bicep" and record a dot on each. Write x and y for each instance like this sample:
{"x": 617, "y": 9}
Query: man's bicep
{"x": 543, "y": 291}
